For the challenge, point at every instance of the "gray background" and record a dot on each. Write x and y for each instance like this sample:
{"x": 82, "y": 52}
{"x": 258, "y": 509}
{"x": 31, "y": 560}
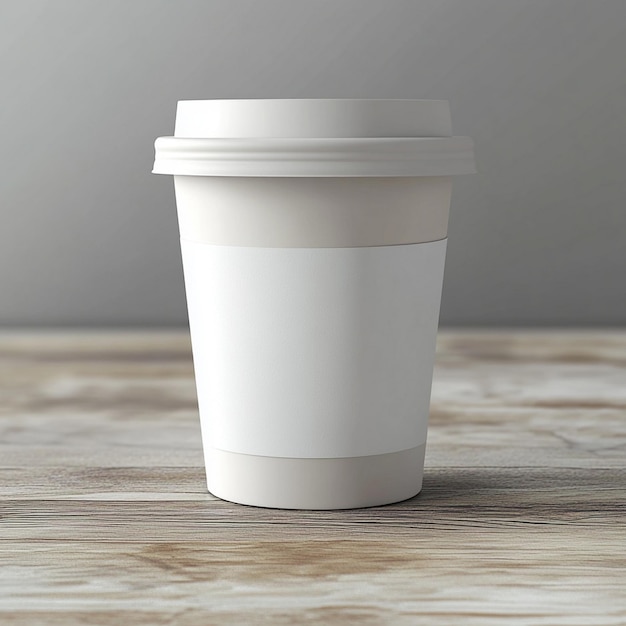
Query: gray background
{"x": 89, "y": 237}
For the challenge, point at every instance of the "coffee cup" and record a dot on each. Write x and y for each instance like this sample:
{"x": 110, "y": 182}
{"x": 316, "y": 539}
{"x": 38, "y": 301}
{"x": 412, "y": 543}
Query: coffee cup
{"x": 313, "y": 238}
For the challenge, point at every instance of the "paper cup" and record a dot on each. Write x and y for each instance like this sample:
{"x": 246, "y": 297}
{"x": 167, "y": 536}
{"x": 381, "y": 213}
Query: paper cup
{"x": 313, "y": 237}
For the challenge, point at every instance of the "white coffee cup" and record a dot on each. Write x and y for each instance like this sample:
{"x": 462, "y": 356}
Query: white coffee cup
{"x": 313, "y": 236}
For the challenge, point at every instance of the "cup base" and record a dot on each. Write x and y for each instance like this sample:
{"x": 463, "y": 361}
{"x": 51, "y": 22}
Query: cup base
{"x": 317, "y": 484}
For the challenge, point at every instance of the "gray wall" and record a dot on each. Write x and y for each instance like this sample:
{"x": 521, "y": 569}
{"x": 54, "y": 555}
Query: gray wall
{"x": 88, "y": 236}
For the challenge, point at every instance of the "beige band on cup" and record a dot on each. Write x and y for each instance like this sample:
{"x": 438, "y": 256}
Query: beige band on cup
{"x": 313, "y": 212}
{"x": 292, "y": 483}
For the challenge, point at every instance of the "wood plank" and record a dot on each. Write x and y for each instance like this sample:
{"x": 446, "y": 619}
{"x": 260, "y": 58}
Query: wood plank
{"x": 531, "y": 576}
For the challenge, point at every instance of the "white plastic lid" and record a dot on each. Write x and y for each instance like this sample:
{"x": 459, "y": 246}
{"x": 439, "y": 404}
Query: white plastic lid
{"x": 313, "y": 138}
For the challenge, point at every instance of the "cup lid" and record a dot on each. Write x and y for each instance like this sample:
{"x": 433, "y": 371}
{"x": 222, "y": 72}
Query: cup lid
{"x": 314, "y": 137}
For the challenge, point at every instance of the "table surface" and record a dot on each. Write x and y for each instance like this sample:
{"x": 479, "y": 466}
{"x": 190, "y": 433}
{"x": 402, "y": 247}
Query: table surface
{"x": 105, "y": 517}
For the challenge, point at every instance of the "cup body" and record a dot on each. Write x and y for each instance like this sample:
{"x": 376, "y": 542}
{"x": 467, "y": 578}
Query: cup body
{"x": 313, "y": 308}
{"x": 313, "y": 238}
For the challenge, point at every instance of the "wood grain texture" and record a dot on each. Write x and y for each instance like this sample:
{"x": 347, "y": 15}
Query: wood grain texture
{"x": 105, "y": 518}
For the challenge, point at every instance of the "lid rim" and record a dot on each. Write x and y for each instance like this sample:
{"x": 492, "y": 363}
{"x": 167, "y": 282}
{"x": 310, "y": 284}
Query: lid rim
{"x": 311, "y": 157}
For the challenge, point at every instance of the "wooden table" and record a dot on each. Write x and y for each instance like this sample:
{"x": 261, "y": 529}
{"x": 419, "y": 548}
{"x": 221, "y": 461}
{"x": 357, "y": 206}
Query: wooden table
{"x": 105, "y": 518}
